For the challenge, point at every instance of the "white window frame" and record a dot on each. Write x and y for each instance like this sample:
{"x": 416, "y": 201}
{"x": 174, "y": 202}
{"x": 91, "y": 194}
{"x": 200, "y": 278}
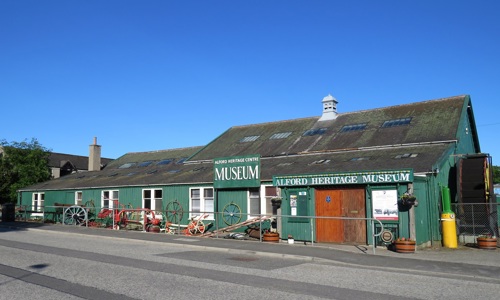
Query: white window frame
{"x": 37, "y": 202}
{"x": 251, "y": 214}
{"x": 79, "y": 198}
{"x": 204, "y": 203}
{"x": 154, "y": 200}
{"x": 109, "y": 199}
{"x": 266, "y": 199}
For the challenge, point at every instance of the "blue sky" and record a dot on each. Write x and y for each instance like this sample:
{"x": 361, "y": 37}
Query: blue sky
{"x": 152, "y": 75}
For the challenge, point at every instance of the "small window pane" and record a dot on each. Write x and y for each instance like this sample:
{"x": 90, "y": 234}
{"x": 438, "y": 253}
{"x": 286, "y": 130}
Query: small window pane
{"x": 354, "y": 127}
{"x": 195, "y": 205}
{"x": 209, "y": 193}
{"x": 254, "y": 208}
{"x": 125, "y": 166}
{"x": 316, "y": 131}
{"x": 396, "y": 122}
{"x": 281, "y": 135}
{"x": 145, "y": 164}
{"x": 164, "y": 162}
{"x": 252, "y": 138}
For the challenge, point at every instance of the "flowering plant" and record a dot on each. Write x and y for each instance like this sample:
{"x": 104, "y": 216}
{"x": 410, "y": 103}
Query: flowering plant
{"x": 408, "y": 199}
{"x": 404, "y": 239}
{"x": 487, "y": 236}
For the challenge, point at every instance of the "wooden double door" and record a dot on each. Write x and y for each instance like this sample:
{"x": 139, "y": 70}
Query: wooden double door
{"x": 341, "y": 202}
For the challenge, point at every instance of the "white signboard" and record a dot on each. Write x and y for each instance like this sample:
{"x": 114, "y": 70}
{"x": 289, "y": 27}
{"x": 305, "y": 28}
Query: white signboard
{"x": 385, "y": 204}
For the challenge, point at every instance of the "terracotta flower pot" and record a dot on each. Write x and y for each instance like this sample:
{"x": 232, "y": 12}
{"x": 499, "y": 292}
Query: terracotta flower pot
{"x": 404, "y": 246}
{"x": 272, "y": 237}
{"x": 154, "y": 229}
{"x": 486, "y": 243}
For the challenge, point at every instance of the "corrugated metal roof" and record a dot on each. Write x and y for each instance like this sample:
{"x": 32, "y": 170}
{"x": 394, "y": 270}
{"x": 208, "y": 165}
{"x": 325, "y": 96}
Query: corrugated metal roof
{"x": 418, "y": 145}
{"x": 435, "y": 120}
{"x": 135, "y": 175}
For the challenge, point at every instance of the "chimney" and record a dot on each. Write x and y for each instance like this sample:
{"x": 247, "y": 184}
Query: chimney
{"x": 95, "y": 156}
{"x": 329, "y": 108}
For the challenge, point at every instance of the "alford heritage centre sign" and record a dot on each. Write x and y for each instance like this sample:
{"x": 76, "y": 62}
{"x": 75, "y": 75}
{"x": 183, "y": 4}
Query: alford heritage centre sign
{"x": 237, "y": 171}
{"x": 393, "y": 176}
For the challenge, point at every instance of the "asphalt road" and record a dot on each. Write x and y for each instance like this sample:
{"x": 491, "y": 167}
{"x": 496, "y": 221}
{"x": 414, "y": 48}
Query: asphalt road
{"x": 41, "y": 264}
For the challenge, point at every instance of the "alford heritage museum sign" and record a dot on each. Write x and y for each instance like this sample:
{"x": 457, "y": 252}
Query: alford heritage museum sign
{"x": 237, "y": 171}
{"x": 393, "y": 176}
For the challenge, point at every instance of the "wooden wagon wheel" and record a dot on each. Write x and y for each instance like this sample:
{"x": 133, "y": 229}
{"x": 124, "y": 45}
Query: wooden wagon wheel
{"x": 75, "y": 215}
{"x": 231, "y": 214}
{"x": 174, "y": 212}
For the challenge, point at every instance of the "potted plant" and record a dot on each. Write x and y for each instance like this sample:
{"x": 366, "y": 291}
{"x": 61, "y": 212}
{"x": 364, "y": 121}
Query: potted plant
{"x": 408, "y": 199}
{"x": 487, "y": 241}
{"x": 269, "y": 236}
{"x": 404, "y": 245}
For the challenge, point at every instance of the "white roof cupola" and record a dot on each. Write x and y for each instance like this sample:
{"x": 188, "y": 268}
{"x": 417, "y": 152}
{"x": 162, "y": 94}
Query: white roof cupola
{"x": 329, "y": 108}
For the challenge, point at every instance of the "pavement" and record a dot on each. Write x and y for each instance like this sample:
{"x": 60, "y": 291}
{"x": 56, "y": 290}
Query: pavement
{"x": 465, "y": 260}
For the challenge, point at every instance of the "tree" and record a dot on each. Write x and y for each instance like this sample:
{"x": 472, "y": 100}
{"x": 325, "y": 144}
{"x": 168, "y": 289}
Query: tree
{"x": 496, "y": 174}
{"x": 21, "y": 164}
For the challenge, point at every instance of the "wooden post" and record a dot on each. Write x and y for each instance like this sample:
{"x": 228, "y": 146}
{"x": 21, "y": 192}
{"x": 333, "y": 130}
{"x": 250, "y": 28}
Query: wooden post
{"x": 411, "y": 216}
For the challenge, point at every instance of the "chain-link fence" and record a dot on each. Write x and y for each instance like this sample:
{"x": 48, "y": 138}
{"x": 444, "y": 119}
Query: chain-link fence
{"x": 475, "y": 219}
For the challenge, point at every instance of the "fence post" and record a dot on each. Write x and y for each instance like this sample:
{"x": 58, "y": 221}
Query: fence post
{"x": 374, "y": 243}
{"x": 312, "y": 231}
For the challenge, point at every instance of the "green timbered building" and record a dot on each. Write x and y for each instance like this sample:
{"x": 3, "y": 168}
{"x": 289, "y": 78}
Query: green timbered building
{"x": 328, "y": 175}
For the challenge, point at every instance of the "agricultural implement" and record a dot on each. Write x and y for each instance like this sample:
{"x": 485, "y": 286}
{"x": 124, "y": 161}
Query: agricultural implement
{"x": 69, "y": 214}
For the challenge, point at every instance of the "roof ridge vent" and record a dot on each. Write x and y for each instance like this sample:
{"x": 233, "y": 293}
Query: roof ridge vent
{"x": 329, "y": 108}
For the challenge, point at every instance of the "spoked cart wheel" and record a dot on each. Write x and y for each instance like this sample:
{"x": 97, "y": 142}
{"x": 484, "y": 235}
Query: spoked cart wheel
{"x": 75, "y": 215}
{"x": 174, "y": 212}
{"x": 196, "y": 227}
{"x": 231, "y": 214}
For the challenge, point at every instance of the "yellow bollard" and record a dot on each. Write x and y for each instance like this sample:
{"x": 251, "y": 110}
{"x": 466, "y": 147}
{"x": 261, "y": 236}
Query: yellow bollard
{"x": 449, "y": 230}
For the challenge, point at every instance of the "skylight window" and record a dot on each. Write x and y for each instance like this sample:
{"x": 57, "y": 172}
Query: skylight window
{"x": 407, "y": 155}
{"x": 164, "y": 162}
{"x": 145, "y": 164}
{"x": 131, "y": 173}
{"x": 181, "y": 161}
{"x": 396, "y": 122}
{"x": 113, "y": 175}
{"x": 152, "y": 171}
{"x": 280, "y": 135}
{"x": 354, "y": 127}
{"x": 320, "y": 162}
{"x": 126, "y": 166}
{"x": 359, "y": 158}
{"x": 251, "y": 138}
{"x": 315, "y": 131}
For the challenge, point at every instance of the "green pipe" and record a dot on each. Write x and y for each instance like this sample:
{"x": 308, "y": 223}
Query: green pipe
{"x": 446, "y": 200}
